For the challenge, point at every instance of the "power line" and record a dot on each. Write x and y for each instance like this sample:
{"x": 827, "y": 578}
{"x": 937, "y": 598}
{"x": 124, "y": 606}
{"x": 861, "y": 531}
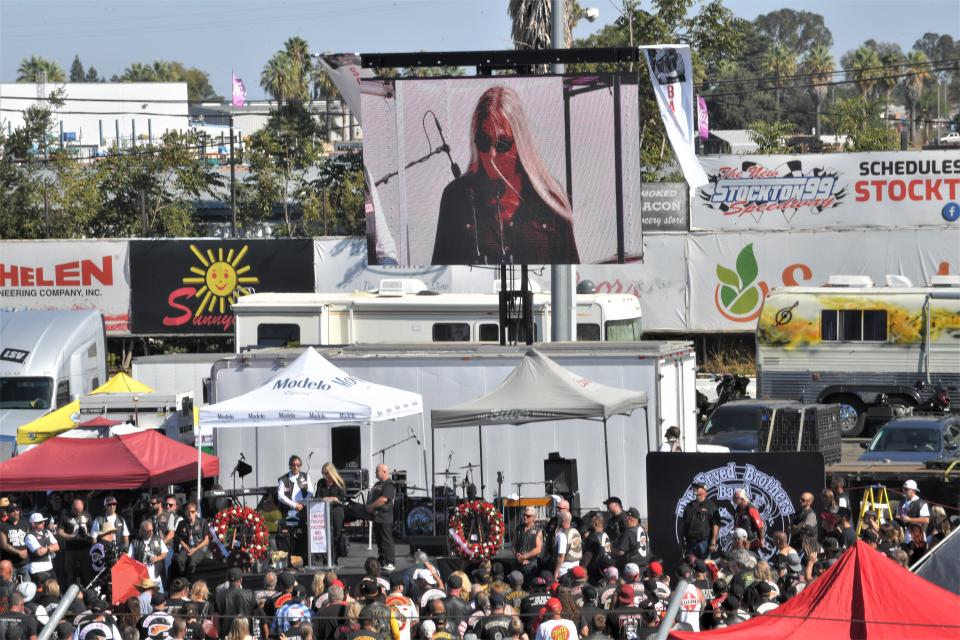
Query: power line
{"x": 831, "y": 73}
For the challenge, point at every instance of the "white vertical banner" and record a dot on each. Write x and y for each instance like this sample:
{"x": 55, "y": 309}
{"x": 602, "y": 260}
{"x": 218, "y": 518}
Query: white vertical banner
{"x": 345, "y": 71}
{"x": 671, "y": 74}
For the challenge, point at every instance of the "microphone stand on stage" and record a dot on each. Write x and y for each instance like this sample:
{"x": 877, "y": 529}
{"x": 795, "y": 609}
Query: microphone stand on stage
{"x": 383, "y": 452}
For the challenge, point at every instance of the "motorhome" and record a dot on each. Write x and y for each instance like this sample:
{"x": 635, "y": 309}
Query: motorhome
{"x": 876, "y": 351}
{"x": 404, "y": 311}
{"x": 47, "y": 359}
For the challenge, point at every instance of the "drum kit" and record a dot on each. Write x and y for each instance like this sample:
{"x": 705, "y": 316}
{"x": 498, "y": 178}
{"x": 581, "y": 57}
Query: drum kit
{"x": 428, "y": 515}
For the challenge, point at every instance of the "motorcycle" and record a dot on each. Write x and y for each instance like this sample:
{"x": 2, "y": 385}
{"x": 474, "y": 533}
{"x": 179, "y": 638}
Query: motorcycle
{"x": 936, "y": 398}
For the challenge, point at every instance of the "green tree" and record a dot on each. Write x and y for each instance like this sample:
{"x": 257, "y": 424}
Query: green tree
{"x": 819, "y": 64}
{"x": 890, "y": 78}
{"x": 859, "y": 120}
{"x": 798, "y": 31}
{"x": 771, "y": 137}
{"x": 863, "y": 67}
{"x": 779, "y": 63}
{"x": 92, "y": 75}
{"x": 277, "y": 78}
{"x": 38, "y": 69}
{"x": 76, "y": 70}
{"x": 333, "y": 202}
{"x": 198, "y": 81}
{"x": 914, "y": 85}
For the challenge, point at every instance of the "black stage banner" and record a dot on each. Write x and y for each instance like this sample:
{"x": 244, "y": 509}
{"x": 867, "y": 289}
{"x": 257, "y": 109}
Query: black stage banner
{"x": 189, "y": 286}
{"x": 773, "y": 481}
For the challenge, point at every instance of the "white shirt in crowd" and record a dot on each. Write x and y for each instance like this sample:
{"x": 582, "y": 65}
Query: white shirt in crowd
{"x": 546, "y": 630}
{"x": 560, "y": 546}
{"x": 34, "y": 542}
{"x": 122, "y": 528}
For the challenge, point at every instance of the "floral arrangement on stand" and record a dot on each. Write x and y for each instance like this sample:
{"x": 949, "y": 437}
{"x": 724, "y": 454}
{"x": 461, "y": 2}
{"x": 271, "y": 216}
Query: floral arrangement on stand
{"x": 241, "y": 536}
{"x": 487, "y": 520}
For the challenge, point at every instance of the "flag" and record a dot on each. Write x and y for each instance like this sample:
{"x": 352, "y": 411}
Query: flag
{"x": 703, "y": 119}
{"x": 239, "y": 91}
{"x": 346, "y": 72}
{"x": 671, "y": 73}
{"x": 124, "y": 576}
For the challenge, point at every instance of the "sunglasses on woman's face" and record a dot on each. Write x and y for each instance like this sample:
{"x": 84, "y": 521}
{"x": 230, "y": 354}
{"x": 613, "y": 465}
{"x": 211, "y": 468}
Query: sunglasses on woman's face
{"x": 484, "y": 143}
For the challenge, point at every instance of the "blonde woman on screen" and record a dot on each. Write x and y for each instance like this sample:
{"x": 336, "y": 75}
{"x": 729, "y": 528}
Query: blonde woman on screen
{"x": 506, "y": 208}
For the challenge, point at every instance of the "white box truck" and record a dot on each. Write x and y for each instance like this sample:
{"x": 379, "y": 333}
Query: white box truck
{"x": 47, "y": 360}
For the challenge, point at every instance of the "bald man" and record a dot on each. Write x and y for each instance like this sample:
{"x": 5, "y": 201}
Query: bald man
{"x": 380, "y": 510}
{"x": 804, "y": 521}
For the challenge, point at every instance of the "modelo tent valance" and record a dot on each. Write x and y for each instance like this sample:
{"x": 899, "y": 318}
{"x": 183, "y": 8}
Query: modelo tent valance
{"x": 540, "y": 390}
{"x": 310, "y": 390}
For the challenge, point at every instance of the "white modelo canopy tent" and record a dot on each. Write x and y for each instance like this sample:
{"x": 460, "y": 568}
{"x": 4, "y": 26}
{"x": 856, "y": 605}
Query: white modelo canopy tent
{"x": 310, "y": 390}
{"x": 540, "y": 390}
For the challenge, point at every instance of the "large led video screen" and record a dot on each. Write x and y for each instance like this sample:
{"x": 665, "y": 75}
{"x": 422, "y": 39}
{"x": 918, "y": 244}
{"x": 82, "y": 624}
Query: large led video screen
{"x": 491, "y": 170}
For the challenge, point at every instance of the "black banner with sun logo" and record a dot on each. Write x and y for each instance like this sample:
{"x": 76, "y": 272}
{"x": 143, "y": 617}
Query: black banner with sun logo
{"x": 189, "y": 286}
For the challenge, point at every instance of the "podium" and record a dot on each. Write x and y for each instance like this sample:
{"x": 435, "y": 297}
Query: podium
{"x": 319, "y": 535}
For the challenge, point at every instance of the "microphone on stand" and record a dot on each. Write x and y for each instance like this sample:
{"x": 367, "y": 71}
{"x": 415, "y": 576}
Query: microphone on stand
{"x": 454, "y": 168}
{"x": 414, "y": 434}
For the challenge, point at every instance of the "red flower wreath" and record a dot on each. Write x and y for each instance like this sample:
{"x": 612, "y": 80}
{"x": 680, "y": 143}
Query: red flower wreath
{"x": 242, "y": 536}
{"x": 484, "y": 539}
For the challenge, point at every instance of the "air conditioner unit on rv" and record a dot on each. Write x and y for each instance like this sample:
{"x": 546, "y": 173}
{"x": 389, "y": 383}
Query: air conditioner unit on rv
{"x": 849, "y": 281}
{"x": 945, "y": 281}
{"x": 399, "y": 287}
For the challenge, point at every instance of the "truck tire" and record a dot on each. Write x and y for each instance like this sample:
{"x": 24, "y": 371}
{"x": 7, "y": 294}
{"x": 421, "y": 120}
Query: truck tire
{"x": 853, "y": 415}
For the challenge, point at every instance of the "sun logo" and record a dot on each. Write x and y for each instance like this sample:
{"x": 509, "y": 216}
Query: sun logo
{"x": 221, "y": 278}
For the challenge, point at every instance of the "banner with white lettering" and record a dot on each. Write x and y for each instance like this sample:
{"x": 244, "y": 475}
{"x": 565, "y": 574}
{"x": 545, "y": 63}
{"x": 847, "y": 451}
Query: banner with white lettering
{"x": 671, "y": 74}
{"x": 345, "y": 72}
{"x": 68, "y": 275}
{"x": 838, "y": 190}
{"x": 731, "y": 273}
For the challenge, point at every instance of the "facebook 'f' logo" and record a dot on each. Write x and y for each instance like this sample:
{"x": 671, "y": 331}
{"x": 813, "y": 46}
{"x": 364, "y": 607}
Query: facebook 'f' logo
{"x": 951, "y": 211}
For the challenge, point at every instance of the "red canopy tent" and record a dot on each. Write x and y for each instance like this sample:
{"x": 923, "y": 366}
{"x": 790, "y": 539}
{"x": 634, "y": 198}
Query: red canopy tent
{"x": 865, "y": 595}
{"x": 145, "y": 459}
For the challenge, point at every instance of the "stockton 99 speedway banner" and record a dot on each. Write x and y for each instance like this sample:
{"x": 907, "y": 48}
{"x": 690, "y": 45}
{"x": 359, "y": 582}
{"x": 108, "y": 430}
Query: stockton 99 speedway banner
{"x": 839, "y": 190}
{"x": 68, "y": 275}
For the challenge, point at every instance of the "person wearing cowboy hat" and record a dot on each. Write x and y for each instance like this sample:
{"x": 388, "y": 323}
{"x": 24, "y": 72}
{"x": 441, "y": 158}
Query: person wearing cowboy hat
{"x": 147, "y": 587}
{"x": 104, "y": 554}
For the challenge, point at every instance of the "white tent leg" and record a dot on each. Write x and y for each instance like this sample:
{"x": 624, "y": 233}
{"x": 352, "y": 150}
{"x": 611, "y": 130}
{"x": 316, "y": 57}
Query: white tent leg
{"x": 370, "y": 522}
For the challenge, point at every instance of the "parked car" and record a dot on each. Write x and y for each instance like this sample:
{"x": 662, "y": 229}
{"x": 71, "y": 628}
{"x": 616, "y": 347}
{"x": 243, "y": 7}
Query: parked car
{"x": 951, "y": 138}
{"x": 916, "y": 439}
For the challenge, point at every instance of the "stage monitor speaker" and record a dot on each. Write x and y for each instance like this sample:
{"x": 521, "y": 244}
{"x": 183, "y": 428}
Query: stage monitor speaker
{"x": 435, "y": 546}
{"x": 562, "y": 473}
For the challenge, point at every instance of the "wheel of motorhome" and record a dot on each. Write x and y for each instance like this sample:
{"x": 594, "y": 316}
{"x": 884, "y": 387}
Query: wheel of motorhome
{"x": 476, "y": 530}
{"x": 853, "y": 415}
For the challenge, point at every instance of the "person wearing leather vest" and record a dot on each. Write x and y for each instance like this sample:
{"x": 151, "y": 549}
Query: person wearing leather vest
{"x": 529, "y": 544}
{"x": 192, "y": 540}
{"x": 294, "y": 489}
{"x": 75, "y": 533}
{"x": 149, "y": 549}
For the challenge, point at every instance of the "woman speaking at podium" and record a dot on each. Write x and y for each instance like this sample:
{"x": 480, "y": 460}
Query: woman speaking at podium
{"x": 332, "y": 490}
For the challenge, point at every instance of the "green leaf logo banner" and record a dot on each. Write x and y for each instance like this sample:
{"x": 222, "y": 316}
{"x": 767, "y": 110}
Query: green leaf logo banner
{"x": 739, "y": 296}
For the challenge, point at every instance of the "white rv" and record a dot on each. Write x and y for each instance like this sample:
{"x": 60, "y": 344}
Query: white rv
{"x": 47, "y": 359}
{"x": 858, "y": 345}
{"x": 404, "y": 311}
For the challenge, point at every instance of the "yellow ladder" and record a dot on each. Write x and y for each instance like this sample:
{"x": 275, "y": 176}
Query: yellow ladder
{"x": 878, "y": 502}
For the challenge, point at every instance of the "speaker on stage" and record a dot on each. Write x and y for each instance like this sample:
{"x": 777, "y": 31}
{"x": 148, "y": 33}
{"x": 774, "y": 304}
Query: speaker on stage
{"x": 435, "y": 546}
{"x": 560, "y": 476}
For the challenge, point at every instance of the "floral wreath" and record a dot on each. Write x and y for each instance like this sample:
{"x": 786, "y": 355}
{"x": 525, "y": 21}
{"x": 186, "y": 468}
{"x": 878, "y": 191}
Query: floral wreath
{"x": 485, "y": 538}
{"x": 241, "y": 536}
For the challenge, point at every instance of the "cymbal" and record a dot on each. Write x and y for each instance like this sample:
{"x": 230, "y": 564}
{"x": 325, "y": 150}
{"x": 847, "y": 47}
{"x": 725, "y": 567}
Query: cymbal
{"x": 471, "y": 466}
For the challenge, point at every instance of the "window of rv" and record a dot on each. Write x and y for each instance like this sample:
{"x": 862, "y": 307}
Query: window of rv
{"x": 588, "y": 332}
{"x": 489, "y": 333}
{"x": 451, "y": 332}
{"x": 628, "y": 330}
{"x": 278, "y": 335}
{"x": 26, "y": 393}
{"x": 853, "y": 325}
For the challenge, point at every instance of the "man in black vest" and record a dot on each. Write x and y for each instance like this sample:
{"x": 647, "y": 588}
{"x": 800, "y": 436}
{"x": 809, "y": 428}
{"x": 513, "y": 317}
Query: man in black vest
{"x": 192, "y": 540}
{"x": 529, "y": 544}
{"x": 149, "y": 550}
{"x": 700, "y": 524}
{"x": 380, "y": 508}
{"x": 234, "y": 601}
{"x": 293, "y": 491}
{"x": 75, "y": 532}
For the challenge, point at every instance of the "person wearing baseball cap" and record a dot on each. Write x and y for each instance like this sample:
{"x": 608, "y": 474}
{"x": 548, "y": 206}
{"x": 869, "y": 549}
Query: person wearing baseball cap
{"x": 553, "y": 625}
{"x": 626, "y": 618}
{"x": 111, "y": 517}
{"x": 632, "y": 545}
{"x": 914, "y": 514}
{"x": 41, "y": 546}
{"x": 532, "y": 603}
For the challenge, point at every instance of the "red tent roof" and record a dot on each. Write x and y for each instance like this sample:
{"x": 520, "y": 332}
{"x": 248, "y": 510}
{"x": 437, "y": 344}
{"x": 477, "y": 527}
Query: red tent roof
{"x": 863, "y": 595}
{"x": 144, "y": 459}
{"x": 100, "y": 421}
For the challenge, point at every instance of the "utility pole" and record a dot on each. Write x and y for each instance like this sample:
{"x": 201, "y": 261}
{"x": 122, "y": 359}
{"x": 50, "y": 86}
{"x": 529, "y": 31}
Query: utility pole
{"x": 563, "y": 282}
{"x": 233, "y": 185}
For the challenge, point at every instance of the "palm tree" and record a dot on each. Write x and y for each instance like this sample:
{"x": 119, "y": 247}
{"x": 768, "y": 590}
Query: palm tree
{"x": 530, "y": 23}
{"x": 914, "y": 84}
{"x": 819, "y": 65}
{"x": 277, "y": 77}
{"x": 164, "y": 71}
{"x": 39, "y": 69}
{"x": 321, "y": 84}
{"x": 888, "y": 81}
{"x": 864, "y": 70}
{"x": 779, "y": 62}
{"x": 299, "y": 52}
{"x": 138, "y": 72}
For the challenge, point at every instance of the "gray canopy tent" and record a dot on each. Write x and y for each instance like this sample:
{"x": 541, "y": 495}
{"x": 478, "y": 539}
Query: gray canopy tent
{"x": 540, "y": 390}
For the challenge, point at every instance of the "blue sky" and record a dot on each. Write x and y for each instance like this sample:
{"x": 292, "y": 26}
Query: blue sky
{"x": 220, "y": 35}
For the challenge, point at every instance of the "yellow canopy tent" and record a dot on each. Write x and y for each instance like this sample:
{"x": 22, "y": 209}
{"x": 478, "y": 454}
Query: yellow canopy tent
{"x": 64, "y": 418}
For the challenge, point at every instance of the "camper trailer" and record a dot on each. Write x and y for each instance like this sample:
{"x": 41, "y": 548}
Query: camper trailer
{"x": 47, "y": 359}
{"x": 404, "y": 311}
{"x": 876, "y": 351}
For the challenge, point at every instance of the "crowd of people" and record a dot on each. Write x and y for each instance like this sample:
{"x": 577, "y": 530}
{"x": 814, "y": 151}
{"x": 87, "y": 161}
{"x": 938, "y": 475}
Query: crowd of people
{"x": 592, "y": 577}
